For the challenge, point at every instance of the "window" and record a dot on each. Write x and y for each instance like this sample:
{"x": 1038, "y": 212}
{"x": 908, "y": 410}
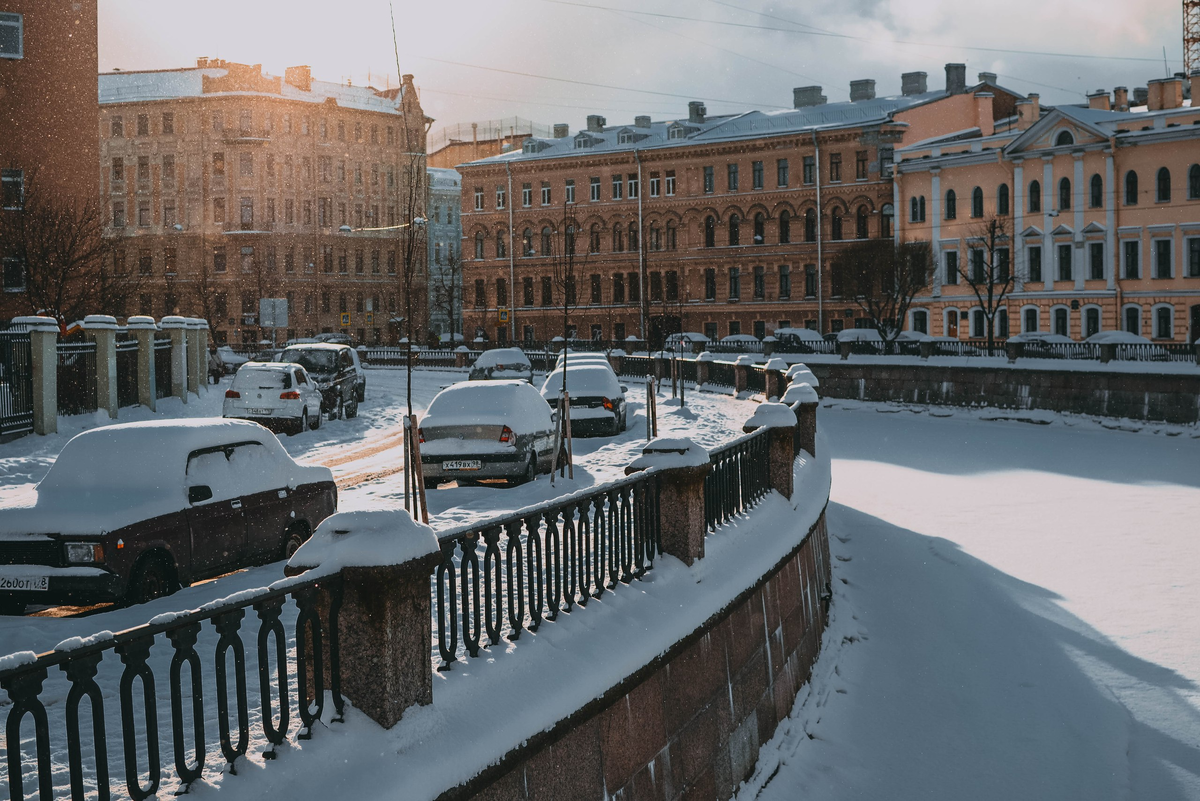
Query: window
{"x": 501, "y": 196}
{"x": 546, "y": 241}
{"x": 785, "y": 227}
{"x": 480, "y": 294}
{"x": 632, "y": 185}
{"x": 950, "y": 259}
{"x": 218, "y": 164}
{"x": 218, "y": 122}
{"x": 710, "y": 231}
{"x": 861, "y": 222}
{"x": 1061, "y": 322}
{"x": 951, "y": 205}
{"x": 835, "y": 224}
{"x": 1193, "y": 248}
{"x": 1002, "y": 200}
{"x": 570, "y": 190}
{"x": 116, "y": 127}
{"x": 756, "y": 175}
{"x": 785, "y": 282}
{"x": 527, "y": 291}
{"x": 545, "y": 193}
{"x": 708, "y": 180}
{"x": 672, "y": 286}
{"x": 732, "y": 177}
{"x": 218, "y": 255}
{"x": 1096, "y": 261}
{"x": 633, "y": 236}
{"x": 1132, "y": 248}
{"x": 12, "y": 44}
{"x": 1035, "y": 263}
{"x": 1030, "y": 321}
{"x": 1091, "y": 322}
{"x": 479, "y": 245}
{"x": 1162, "y": 258}
{"x": 618, "y": 238}
{"x": 735, "y": 328}
{"x": 760, "y": 282}
{"x": 1162, "y": 186}
{"x": 760, "y": 228}
{"x": 501, "y": 292}
{"x": 810, "y": 281}
{"x": 1064, "y": 263}
{"x": 860, "y": 165}
{"x": 143, "y": 214}
{"x": 618, "y": 288}
{"x": 978, "y": 274}
{"x": 710, "y": 284}
{"x": 170, "y": 264}
{"x": 1163, "y": 325}
{"x": 656, "y": 287}
{"x": 1133, "y": 319}
{"x": 246, "y": 164}
{"x": 670, "y": 183}
{"x": 1064, "y": 193}
{"x": 12, "y": 189}
{"x": 526, "y": 195}
{"x": 501, "y": 249}
{"x": 735, "y": 283}
{"x": 1035, "y": 196}
{"x": 810, "y": 170}
{"x": 595, "y": 189}
{"x": 920, "y": 321}
{"x": 835, "y": 167}
{"x": 479, "y": 198}
{"x": 735, "y": 230}
{"x": 1131, "y": 188}
{"x": 672, "y": 236}
{"x": 1096, "y": 192}
{"x": 1064, "y": 139}
{"x": 118, "y": 170}
{"x": 810, "y": 225}
{"x": 1001, "y": 274}
{"x": 635, "y": 287}
{"x": 1194, "y": 182}
{"x": 781, "y": 173}
{"x": 710, "y": 330}
{"x": 219, "y": 210}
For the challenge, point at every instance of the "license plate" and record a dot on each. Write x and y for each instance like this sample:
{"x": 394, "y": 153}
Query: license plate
{"x": 27, "y": 584}
{"x": 462, "y": 464}
{"x": 260, "y": 411}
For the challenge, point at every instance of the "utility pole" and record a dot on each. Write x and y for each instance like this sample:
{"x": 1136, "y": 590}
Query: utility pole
{"x": 1191, "y": 37}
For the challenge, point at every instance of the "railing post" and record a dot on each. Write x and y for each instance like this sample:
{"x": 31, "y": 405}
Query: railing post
{"x": 680, "y": 494}
{"x": 461, "y": 354}
{"x": 781, "y": 422}
{"x": 143, "y": 328}
{"x": 804, "y": 400}
{"x": 43, "y": 347}
{"x": 1108, "y": 352}
{"x": 197, "y": 344}
{"x": 844, "y": 349}
{"x": 926, "y": 346}
{"x": 741, "y": 373}
{"x": 773, "y": 380}
{"x": 102, "y": 329}
{"x": 616, "y": 360}
{"x": 384, "y": 632}
{"x": 702, "y": 362}
{"x": 1014, "y": 350}
{"x": 176, "y": 328}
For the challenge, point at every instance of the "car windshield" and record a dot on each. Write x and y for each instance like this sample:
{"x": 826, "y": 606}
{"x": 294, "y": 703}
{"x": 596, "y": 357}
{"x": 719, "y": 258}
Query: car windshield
{"x": 262, "y": 379}
{"x": 315, "y": 361}
{"x": 583, "y": 381}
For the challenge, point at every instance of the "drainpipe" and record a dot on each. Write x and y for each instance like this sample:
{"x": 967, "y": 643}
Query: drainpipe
{"x": 512, "y": 280}
{"x": 641, "y": 251}
{"x": 820, "y": 222}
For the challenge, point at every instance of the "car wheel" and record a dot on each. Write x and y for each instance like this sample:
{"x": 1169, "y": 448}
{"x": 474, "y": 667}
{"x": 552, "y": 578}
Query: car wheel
{"x": 299, "y": 425}
{"x": 351, "y": 409}
{"x": 152, "y": 578}
{"x": 530, "y": 472}
{"x": 361, "y": 393}
{"x": 11, "y": 606}
{"x": 336, "y": 411}
{"x": 294, "y": 537}
{"x": 314, "y": 422}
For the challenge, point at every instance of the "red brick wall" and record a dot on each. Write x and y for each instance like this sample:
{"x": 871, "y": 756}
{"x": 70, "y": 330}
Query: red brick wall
{"x": 689, "y": 725}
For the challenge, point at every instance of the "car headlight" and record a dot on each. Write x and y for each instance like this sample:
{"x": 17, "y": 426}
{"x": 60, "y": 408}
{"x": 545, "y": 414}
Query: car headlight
{"x": 85, "y": 552}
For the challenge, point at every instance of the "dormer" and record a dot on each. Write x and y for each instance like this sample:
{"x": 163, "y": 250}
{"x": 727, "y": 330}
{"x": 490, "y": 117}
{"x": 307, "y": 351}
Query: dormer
{"x": 585, "y": 140}
{"x": 627, "y": 136}
{"x": 678, "y": 130}
{"x": 532, "y": 145}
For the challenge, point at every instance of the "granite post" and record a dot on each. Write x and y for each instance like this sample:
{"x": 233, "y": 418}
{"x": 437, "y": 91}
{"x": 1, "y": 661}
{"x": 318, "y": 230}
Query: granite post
{"x": 176, "y": 328}
{"x": 102, "y": 329}
{"x": 43, "y": 346}
{"x": 143, "y": 329}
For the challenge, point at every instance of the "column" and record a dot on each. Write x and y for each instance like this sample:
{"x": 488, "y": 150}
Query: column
{"x": 176, "y": 328}
{"x": 1020, "y": 262}
{"x": 43, "y": 345}
{"x": 935, "y": 209}
{"x": 197, "y": 355}
{"x": 1110, "y": 223}
{"x": 143, "y": 329}
{"x": 102, "y": 329}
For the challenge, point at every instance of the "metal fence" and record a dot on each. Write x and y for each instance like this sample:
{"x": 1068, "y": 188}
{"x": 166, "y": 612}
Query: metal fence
{"x": 76, "y": 377}
{"x": 721, "y": 373}
{"x": 291, "y": 681}
{"x": 16, "y": 381}
{"x": 637, "y": 366}
{"x": 739, "y": 479}
{"x": 162, "y": 368}
{"x": 127, "y": 372}
{"x": 756, "y": 379}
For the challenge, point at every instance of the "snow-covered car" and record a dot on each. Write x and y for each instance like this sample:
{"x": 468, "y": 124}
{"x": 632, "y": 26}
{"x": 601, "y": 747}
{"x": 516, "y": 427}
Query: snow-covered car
{"x": 687, "y": 341}
{"x": 132, "y": 511}
{"x": 332, "y": 368}
{"x": 231, "y": 359}
{"x": 274, "y": 394}
{"x": 734, "y": 339}
{"x": 486, "y": 430}
{"x": 360, "y": 388}
{"x": 501, "y": 364}
{"x": 597, "y": 398}
{"x": 572, "y": 359}
{"x": 802, "y": 340}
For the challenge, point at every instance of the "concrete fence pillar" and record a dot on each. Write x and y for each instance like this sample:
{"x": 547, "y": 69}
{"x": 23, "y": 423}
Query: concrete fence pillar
{"x": 844, "y": 349}
{"x": 176, "y": 328}
{"x": 616, "y": 360}
{"x": 384, "y": 636}
{"x": 681, "y": 494}
{"x": 461, "y": 355}
{"x": 803, "y": 400}
{"x": 926, "y": 346}
{"x": 702, "y": 362}
{"x": 780, "y": 421}
{"x": 102, "y": 329}
{"x": 143, "y": 329}
{"x": 197, "y": 346}
{"x": 43, "y": 346}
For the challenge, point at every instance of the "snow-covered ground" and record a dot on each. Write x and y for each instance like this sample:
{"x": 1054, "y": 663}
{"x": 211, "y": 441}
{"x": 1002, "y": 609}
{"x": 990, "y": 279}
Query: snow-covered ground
{"x": 1014, "y": 614}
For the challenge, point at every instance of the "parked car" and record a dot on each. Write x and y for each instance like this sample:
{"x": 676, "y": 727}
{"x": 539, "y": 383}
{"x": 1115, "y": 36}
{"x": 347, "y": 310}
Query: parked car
{"x": 332, "y": 368}
{"x": 276, "y": 395}
{"x": 486, "y": 429}
{"x": 230, "y": 358}
{"x": 597, "y": 398}
{"x": 360, "y": 388}
{"x": 334, "y": 338}
{"x": 572, "y": 359}
{"x": 502, "y": 364}
{"x": 133, "y": 511}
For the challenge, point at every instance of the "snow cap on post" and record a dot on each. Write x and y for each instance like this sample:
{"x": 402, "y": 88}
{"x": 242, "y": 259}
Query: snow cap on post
{"x": 364, "y": 539}
{"x": 100, "y": 322}
{"x": 798, "y": 367}
{"x": 804, "y": 377}
{"x": 37, "y": 323}
{"x": 745, "y": 359}
{"x": 801, "y": 392}
{"x": 705, "y": 356}
{"x": 776, "y": 364}
{"x": 141, "y": 322}
{"x": 173, "y": 321}
{"x": 669, "y": 452}
{"x": 770, "y": 415}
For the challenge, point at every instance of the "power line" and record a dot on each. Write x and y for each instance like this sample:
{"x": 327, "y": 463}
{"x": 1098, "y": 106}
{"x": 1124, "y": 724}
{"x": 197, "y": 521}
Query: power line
{"x": 538, "y": 102}
{"x": 834, "y": 35}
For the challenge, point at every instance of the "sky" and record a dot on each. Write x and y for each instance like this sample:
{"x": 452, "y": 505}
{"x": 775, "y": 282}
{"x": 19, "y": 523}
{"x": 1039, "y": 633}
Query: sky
{"x": 652, "y": 56}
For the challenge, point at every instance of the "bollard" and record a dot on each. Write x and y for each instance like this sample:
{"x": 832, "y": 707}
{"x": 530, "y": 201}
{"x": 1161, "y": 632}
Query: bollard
{"x": 43, "y": 346}
{"x": 681, "y": 494}
{"x": 781, "y": 421}
{"x": 143, "y": 329}
{"x": 176, "y": 328}
{"x": 102, "y": 329}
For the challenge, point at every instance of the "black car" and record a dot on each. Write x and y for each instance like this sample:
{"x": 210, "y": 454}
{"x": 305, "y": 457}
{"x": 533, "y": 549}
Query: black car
{"x": 333, "y": 369}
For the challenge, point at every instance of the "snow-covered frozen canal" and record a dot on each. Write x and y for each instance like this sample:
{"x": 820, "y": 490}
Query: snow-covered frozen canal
{"x": 1015, "y": 615}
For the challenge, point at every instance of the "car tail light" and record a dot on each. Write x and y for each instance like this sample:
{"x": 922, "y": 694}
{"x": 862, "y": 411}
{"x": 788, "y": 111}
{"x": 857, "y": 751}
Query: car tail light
{"x": 608, "y": 404}
{"x": 232, "y": 393}
{"x": 506, "y": 434}
{"x": 293, "y": 395}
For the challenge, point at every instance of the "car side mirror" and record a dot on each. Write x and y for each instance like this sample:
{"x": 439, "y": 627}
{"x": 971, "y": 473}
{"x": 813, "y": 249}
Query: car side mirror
{"x": 554, "y": 417}
{"x": 624, "y": 388}
{"x": 199, "y": 493}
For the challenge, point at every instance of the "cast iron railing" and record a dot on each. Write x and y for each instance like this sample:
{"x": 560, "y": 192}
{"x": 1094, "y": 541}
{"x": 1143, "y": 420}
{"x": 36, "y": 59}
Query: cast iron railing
{"x": 162, "y": 368}
{"x": 16, "y": 380}
{"x": 76, "y": 377}
{"x": 291, "y": 679}
{"x": 756, "y": 379}
{"x": 721, "y": 373}
{"x": 503, "y": 576}
{"x": 127, "y": 372}
{"x": 740, "y": 477}
{"x": 637, "y": 366}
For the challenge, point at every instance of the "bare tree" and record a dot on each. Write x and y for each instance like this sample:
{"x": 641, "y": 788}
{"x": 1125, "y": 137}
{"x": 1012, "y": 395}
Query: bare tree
{"x": 882, "y": 279}
{"x": 447, "y": 293}
{"x": 567, "y": 267}
{"x": 988, "y": 270}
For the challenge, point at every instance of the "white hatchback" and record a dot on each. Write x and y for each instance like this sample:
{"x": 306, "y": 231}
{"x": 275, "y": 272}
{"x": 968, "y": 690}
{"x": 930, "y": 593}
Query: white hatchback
{"x": 274, "y": 393}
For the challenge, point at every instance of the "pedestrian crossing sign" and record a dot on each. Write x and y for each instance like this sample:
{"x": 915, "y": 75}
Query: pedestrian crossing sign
{"x": 345, "y": 318}
{"x": 504, "y": 315}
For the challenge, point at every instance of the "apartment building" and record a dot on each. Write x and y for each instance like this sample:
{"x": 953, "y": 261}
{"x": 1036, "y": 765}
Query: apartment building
{"x": 445, "y": 242}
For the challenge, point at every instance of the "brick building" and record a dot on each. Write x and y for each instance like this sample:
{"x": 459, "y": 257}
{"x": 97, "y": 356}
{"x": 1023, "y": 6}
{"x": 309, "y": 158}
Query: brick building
{"x": 48, "y": 111}
{"x": 1100, "y": 206}
{"x": 470, "y": 141}
{"x": 224, "y": 185}
{"x": 721, "y": 225}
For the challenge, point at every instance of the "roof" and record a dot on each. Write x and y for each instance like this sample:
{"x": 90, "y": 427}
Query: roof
{"x": 317, "y": 346}
{"x": 442, "y": 178}
{"x": 139, "y": 87}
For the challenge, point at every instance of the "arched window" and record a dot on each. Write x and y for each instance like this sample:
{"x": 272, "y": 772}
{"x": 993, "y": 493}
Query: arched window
{"x": 951, "y": 205}
{"x": 1035, "y": 196}
{"x": 921, "y": 207}
{"x": 633, "y": 236}
{"x": 1131, "y": 188}
{"x": 1064, "y": 193}
{"x": 1096, "y": 192}
{"x": 1091, "y": 321}
{"x": 1002, "y": 200}
{"x": 760, "y": 229}
{"x": 672, "y": 236}
{"x": 835, "y": 224}
{"x": 1164, "y": 327}
{"x": 527, "y": 243}
{"x": 1133, "y": 319}
{"x": 885, "y": 221}
{"x": 977, "y": 202}
{"x": 569, "y": 240}
{"x": 785, "y": 227}
{"x": 735, "y": 230}
{"x": 1063, "y": 139}
{"x": 860, "y": 223}
{"x": 654, "y": 239}
{"x": 501, "y": 250}
{"x": 913, "y": 211}
{"x": 618, "y": 238}
{"x": 1029, "y": 321}
{"x": 1162, "y": 186}
{"x": 810, "y": 226}
{"x": 710, "y": 231}
{"x": 594, "y": 239}
{"x": 546, "y": 240}
{"x": 1194, "y": 182}
{"x": 479, "y": 245}
{"x": 1060, "y": 322}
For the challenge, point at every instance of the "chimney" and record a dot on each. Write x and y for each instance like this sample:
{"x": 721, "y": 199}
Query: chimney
{"x": 299, "y": 77}
{"x": 201, "y": 62}
{"x": 561, "y": 130}
{"x": 1194, "y": 82}
{"x": 862, "y": 90}
{"x": 1165, "y": 93}
{"x": 1141, "y": 95}
{"x": 987, "y": 77}
{"x": 805, "y": 96}
{"x": 641, "y": 121}
{"x": 984, "y": 118}
{"x": 1027, "y": 112}
{"x": 1120, "y": 99}
{"x": 956, "y": 79}
{"x": 1099, "y": 100}
{"x": 696, "y": 111}
{"x": 596, "y": 123}
{"x": 913, "y": 83}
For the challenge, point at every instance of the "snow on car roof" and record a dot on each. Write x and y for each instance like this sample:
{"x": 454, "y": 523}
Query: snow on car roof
{"x": 508, "y": 356}
{"x": 804, "y": 334}
{"x": 584, "y": 378}
{"x": 318, "y": 346}
{"x": 513, "y": 403}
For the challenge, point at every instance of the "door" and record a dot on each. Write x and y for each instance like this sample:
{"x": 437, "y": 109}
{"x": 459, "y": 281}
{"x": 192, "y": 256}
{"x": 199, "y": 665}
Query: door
{"x": 216, "y": 522}
{"x": 952, "y": 324}
{"x": 266, "y": 502}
